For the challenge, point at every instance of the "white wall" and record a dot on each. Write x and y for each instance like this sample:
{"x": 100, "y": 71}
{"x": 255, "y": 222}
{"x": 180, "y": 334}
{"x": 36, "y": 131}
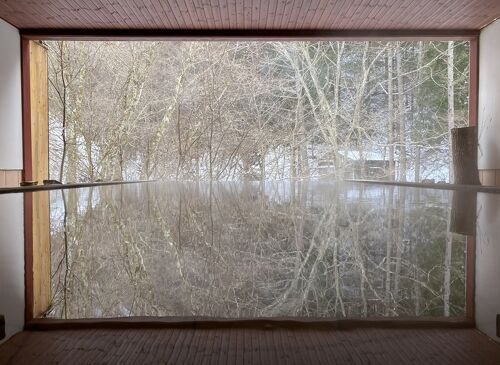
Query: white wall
{"x": 488, "y": 230}
{"x": 488, "y": 263}
{"x": 12, "y": 262}
{"x": 11, "y": 158}
{"x": 489, "y": 97}
{"x": 11, "y": 153}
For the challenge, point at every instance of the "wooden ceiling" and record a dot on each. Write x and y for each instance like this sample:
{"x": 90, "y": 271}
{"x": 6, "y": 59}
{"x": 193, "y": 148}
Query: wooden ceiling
{"x": 251, "y": 14}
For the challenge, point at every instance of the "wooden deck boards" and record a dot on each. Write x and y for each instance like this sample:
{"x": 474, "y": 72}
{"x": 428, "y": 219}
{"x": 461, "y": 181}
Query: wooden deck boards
{"x": 251, "y": 346}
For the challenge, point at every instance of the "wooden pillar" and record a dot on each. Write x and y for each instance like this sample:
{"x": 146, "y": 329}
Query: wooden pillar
{"x": 464, "y": 151}
{"x": 35, "y": 111}
{"x": 36, "y": 168}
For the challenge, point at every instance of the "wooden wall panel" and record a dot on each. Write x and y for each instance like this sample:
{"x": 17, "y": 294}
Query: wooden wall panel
{"x": 36, "y": 166}
{"x": 39, "y": 101}
{"x": 41, "y": 253}
{"x": 10, "y": 178}
{"x": 231, "y": 14}
{"x": 489, "y": 177}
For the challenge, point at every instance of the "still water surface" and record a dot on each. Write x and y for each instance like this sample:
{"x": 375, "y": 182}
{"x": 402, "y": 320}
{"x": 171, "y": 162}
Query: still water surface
{"x": 243, "y": 250}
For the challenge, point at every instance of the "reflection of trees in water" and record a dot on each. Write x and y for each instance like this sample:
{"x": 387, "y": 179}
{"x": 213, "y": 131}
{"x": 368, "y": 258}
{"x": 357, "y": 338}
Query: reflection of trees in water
{"x": 243, "y": 250}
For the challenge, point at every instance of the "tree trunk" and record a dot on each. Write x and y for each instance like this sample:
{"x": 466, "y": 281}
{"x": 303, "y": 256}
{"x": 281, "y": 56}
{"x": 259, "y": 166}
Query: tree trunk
{"x": 451, "y": 106}
{"x": 417, "y": 104}
{"x": 417, "y": 164}
{"x": 401, "y": 116}
{"x": 447, "y": 270}
{"x": 388, "y": 256}
{"x": 399, "y": 241}
{"x": 390, "y": 112}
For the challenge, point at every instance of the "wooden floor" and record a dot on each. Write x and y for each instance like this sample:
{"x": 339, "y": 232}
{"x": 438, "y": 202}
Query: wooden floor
{"x": 251, "y": 346}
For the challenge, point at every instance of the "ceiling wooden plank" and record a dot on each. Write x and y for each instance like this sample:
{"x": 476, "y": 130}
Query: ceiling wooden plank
{"x": 335, "y": 14}
{"x": 216, "y": 8}
{"x": 287, "y": 12}
{"x": 119, "y": 13}
{"x": 96, "y": 12}
{"x": 250, "y": 14}
{"x": 467, "y": 8}
{"x": 278, "y": 14}
{"x": 232, "y": 19}
{"x": 115, "y": 13}
{"x": 191, "y": 9}
{"x": 225, "y": 12}
{"x": 310, "y": 12}
{"x": 263, "y": 9}
{"x": 246, "y": 10}
{"x": 298, "y": 9}
{"x": 375, "y": 14}
{"x": 434, "y": 7}
{"x": 200, "y": 17}
{"x": 54, "y": 13}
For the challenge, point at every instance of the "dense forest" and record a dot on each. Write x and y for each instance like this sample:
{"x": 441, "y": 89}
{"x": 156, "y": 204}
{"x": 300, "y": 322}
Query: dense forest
{"x": 255, "y": 110}
{"x": 230, "y": 249}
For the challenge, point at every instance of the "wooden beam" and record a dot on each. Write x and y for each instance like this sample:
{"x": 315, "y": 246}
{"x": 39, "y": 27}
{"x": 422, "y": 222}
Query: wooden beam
{"x": 24, "y": 189}
{"x": 454, "y": 187}
{"x": 28, "y": 257}
{"x": 39, "y": 109}
{"x": 35, "y": 167}
{"x": 246, "y": 34}
{"x": 26, "y": 109}
{"x": 267, "y": 323}
{"x": 41, "y": 253}
{"x": 37, "y": 267}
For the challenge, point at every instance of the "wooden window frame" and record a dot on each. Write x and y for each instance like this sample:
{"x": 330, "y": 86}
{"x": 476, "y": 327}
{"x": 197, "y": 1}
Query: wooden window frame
{"x": 28, "y": 35}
